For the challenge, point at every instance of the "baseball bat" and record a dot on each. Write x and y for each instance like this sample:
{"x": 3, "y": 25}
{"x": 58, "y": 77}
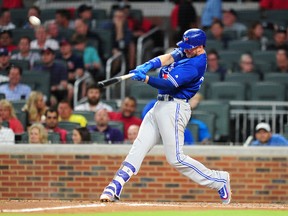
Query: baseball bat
{"x": 114, "y": 80}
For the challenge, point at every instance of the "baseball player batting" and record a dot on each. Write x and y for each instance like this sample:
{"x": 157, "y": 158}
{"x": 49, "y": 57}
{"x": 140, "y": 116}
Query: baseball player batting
{"x": 179, "y": 79}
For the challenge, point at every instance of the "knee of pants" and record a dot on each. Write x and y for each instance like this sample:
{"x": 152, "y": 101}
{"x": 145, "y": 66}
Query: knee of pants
{"x": 175, "y": 160}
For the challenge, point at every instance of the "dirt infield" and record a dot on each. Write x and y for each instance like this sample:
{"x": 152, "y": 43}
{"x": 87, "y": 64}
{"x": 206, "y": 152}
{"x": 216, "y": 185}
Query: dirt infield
{"x": 57, "y": 206}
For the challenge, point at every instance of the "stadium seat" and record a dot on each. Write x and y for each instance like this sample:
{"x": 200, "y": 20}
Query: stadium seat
{"x": 244, "y": 46}
{"x": 20, "y": 32}
{"x": 264, "y": 56}
{"x": 24, "y": 64}
{"x": 247, "y": 78}
{"x": 48, "y": 14}
{"x": 69, "y": 126}
{"x": 117, "y": 124}
{"x": 229, "y": 58}
{"x": 193, "y": 128}
{"x": 277, "y": 77}
{"x": 97, "y": 137}
{"x": 19, "y": 16}
{"x": 214, "y": 44}
{"x": 221, "y": 110}
{"x": 54, "y": 138}
{"x": 37, "y": 80}
{"x": 207, "y": 117}
{"x": 227, "y": 91}
{"x": 248, "y": 16}
{"x": 142, "y": 91}
{"x": 268, "y": 91}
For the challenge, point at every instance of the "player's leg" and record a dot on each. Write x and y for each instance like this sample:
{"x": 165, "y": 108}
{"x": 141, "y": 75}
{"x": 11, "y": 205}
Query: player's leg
{"x": 148, "y": 136}
{"x": 172, "y": 134}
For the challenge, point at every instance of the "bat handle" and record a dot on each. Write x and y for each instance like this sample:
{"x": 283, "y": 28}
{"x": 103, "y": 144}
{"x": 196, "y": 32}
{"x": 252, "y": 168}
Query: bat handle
{"x": 127, "y": 76}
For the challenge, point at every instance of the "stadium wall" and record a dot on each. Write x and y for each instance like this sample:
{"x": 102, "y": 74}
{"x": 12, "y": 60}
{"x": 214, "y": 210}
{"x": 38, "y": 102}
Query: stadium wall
{"x": 80, "y": 172}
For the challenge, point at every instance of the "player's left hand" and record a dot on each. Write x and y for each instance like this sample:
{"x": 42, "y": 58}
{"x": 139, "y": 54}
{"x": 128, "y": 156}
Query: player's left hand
{"x": 139, "y": 76}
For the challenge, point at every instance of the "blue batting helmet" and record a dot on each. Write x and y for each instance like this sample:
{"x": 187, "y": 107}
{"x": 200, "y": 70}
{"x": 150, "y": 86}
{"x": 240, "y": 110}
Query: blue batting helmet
{"x": 192, "y": 38}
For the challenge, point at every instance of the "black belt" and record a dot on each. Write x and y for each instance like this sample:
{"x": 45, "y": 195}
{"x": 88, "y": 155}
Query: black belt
{"x": 169, "y": 98}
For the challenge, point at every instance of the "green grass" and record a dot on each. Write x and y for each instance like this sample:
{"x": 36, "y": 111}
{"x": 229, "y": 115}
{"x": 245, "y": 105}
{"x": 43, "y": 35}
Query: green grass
{"x": 167, "y": 213}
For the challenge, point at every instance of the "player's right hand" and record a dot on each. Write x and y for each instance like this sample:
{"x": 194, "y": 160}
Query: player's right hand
{"x": 139, "y": 76}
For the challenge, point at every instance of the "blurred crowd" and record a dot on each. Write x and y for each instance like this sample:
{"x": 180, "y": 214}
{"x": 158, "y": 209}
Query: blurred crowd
{"x": 70, "y": 45}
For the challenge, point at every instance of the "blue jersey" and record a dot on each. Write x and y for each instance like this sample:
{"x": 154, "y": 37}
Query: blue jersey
{"x": 184, "y": 76}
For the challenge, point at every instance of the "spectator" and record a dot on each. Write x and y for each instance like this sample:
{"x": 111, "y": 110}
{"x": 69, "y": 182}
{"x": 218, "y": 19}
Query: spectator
{"x": 7, "y": 135}
{"x": 123, "y": 38}
{"x": 84, "y": 12}
{"x": 12, "y": 4}
{"x": 74, "y": 62}
{"x": 42, "y": 40}
{"x": 204, "y": 135}
{"x": 265, "y": 137}
{"x": 63, "y": 19}
{"x": 273, "y": 5}
{"x": 217, "y": 33}
{"x": 4, "y": 61}
{"x": 7, "y": 113}
{"x": 212, "y": 11}
{"x": 53, "y": 31}
{"x": 256, "y": 33}
{"x": 112, "y": 135}
{"x": 33, "y": 11}
{"x": 6, "y": 40}
{"x": 66, "y": 114}
{"x": 279, "y": 40}
{"x": 126, "y": 114}
{"x": 132, "y": 133}
{"x": 37, "y": 134}
{"x": 35, "y": 108}
{"x": 82, "y": 28}
{"x": 14, "y": 89}
{"x": 25, "y": 52}
{"x": 230, "y": 22}
{"x": 282, "y": 60}
{"x": 247, "y": 65}
{"x": 5, "y": 20}
{"x": 51, "y": 124}
{"x": 58, "y": 76}
{"x": 94, "y": 102}
{"x": 81, "y": 136}
{"x": 187, "y": 16}
{"x": 91, "y": 58}
{"x": 213, "y": 65}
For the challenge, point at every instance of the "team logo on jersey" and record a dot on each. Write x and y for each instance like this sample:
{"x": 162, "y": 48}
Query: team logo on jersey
{"x": 165, "y": 76}
{"x": 185, "y": 38}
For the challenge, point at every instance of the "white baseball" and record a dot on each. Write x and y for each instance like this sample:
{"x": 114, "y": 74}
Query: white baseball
{"x": 35, "y": 21}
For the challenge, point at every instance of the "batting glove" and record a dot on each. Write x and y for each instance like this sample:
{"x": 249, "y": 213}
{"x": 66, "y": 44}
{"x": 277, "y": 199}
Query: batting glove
{"x": 144, "y": 68}
{"x": 139, "y": 76}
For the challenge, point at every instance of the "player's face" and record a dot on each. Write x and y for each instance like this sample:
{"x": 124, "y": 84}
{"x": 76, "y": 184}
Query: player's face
{"x": 191, "y": 52}
{"x": 263, "y": 136}
{"x": 128, "y": 107}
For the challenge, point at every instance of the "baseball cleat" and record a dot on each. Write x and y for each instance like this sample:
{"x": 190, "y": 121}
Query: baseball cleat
{"x": 108, "y": 198}
{"x": 225, "y": 192}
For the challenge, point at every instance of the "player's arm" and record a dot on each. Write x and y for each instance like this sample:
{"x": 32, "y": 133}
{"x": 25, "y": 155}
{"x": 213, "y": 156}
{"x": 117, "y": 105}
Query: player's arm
{"x": 162, "y": 60}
